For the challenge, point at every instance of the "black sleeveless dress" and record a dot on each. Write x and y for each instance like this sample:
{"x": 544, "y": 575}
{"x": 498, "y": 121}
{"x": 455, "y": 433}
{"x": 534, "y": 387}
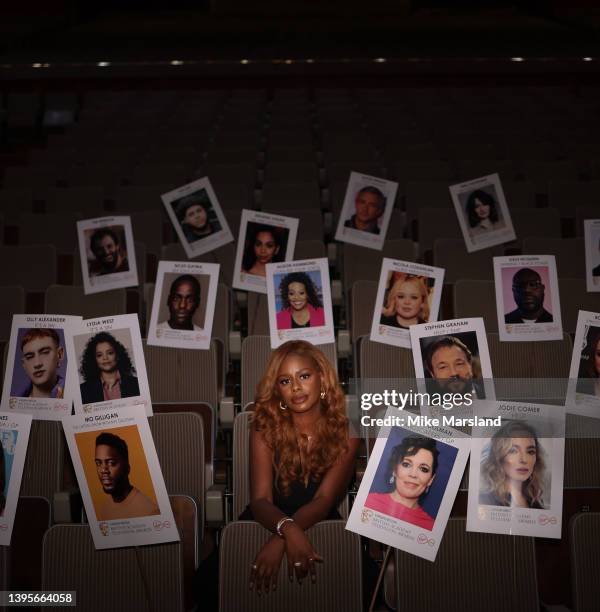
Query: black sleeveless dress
{"x": 299, "y": 496}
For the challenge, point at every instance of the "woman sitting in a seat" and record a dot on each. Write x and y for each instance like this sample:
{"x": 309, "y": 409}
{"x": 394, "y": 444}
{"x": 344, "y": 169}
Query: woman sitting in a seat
{"x": 301, "y": 459}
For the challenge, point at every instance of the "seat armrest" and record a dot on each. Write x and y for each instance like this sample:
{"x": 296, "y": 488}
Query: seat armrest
{"x": 215, "y": 510}
{"x": 235, "y": 345}
{"x": 344, "y": 347}
{"x": 67, "y": 506}
{"x": 337, "y": 295}
{"x": 226, "y": 412}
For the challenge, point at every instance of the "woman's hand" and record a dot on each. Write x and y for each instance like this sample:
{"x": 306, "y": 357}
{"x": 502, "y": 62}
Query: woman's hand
{"x": 301, "y": 556}
{"x": 265, "y": 567}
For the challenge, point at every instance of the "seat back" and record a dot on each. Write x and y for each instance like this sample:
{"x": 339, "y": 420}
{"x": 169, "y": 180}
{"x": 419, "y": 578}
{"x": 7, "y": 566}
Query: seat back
{"x": 310, "y": 249}
{"x": 241, "y": 470}
{"x": 536, "y": 222}
{"x": 382, "y": 361}
{"x": 551, "y": 359}
{"x": 569, "y": 253}
{"x": 258, "y": 314}
{"x": 451, "y": 254}
{"x": 12, "y": 301}
{"x": 361, "y": 263}
{"x": 183, "y": 376}
{"x": 585, "y": 559}
{"x": 141, "y": 578}
{"x": 582, "y": 449}
{"x": 43, "y": 470}
{"x": 476, "y": 298}
{"x": 58, "y": 229}
{"x": 501, "y": 574}
{"x": 363, "y": 295}
{"x": 573, "y": 298}
{"x": 339, "y": 581}
{"x": 179, "y": 440}
{"x": 25, "y": 268}
{"x": 70, "y": 300}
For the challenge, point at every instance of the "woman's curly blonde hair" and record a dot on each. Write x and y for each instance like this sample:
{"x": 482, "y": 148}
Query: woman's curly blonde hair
{"x": 494, "y": 479}
{"x": 277, "y": 427}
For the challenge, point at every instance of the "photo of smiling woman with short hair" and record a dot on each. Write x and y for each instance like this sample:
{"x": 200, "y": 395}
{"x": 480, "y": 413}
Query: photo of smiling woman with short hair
{"x": 411, "y": 478}
{"x": 412, "y": 468}
{"x": 302, "y": 306}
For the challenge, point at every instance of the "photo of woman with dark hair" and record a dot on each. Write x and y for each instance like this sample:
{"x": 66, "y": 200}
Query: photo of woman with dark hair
{"x": 107, "y": 370}
{"x": 412, "y": 467}
{"x": 264, "y": 244}
{"x": 302, "y": 306}
{"x": 513, "y": 473}
{"x": 482, "y": 213}
{"x": 588, "y": 379}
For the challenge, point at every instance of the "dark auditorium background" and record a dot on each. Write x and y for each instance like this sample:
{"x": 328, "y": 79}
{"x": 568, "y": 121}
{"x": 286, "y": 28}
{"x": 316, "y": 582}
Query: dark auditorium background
{"x": 106, "y": 105}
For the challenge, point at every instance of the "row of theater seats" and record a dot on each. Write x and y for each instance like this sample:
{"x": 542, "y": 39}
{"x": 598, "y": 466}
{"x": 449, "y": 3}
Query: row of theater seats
{"x": 350, "y": 264}
{"x": 294, "y": 153}
{"x": 185, "y": 377}
{"x": 504, "y": 579}
{"x": 181, "y": 434}
{"x": 293, "y": 146}
{"x": 421, "y": 221}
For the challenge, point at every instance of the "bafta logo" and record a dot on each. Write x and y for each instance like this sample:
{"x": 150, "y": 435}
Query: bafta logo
{"x": 366, "y": 515}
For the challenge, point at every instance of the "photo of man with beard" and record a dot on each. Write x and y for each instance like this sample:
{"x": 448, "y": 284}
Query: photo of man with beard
{"x": 528, "y": 294}
{"x": 110, "y": 255}
{"x": 450, "y": 364}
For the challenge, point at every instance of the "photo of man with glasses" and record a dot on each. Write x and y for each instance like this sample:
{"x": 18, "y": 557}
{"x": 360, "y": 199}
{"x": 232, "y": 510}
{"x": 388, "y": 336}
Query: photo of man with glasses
{"x": 528, "y": 293}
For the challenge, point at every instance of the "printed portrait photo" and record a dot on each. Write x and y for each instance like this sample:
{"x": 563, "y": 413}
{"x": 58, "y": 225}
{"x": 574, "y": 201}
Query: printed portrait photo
{"x": 40, "y": 364}
{"x": 263, "y": 244}
{"x": 299, "y": 300}
{"x": 516, "y": 468}
{"x": 527, "y": 295}
{"x": 369, "y": 206}
{"x": 407, "y": 300}
{"x": 451, "y": 364}
{"x": 411, "y": 478}
{"x": 8, "y": 444}
{"x": 481, "y": 210}
{"x": 116, "y": 472}
{"x": 107, "y": 369}
{"x": 183, "y": 302}
{"x": 196, "y": 216}
{"x": 588, "y": 376}
{"x": 106, "y": 250}
{"x": 367, "y": 210}
{"x": 591, "y": 231}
